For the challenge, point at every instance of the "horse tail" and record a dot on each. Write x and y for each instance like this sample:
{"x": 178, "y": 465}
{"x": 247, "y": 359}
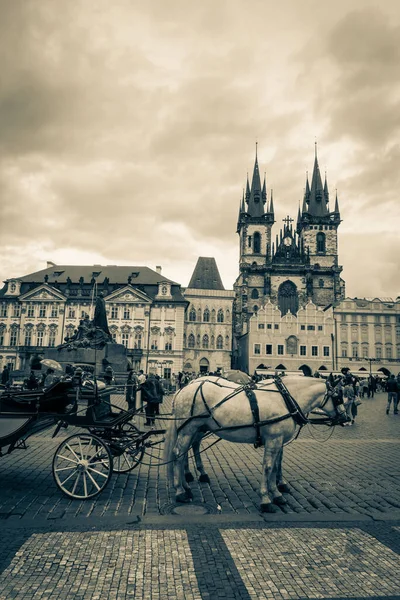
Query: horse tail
{"x": 171, "y": 436}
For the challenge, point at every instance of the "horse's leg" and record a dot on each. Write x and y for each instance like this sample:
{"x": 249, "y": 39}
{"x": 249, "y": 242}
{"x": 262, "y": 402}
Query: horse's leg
{"x": 182, "y": 445}
{"x": 268, "y": 478}
{"x": 280, "y": 482}
{"x": 204, "y": 478}
{"x": 188, "y": 475}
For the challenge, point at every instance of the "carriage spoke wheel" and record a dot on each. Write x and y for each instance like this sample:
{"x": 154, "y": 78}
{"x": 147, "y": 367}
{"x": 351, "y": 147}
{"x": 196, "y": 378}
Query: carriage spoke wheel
{"x": 131, "y": 457}
{"x": 82, "y": 466}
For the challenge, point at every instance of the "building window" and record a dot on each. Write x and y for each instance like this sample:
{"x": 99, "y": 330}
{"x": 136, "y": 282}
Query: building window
{"x": 71, "y": 313}
{"x": 42, "y": 311}
{"x": 13, "y": 287}
{"x": 114, "y": 336}
{"x": 276, "y": 326}
{"x": 280, "y": 349}
{"x": 254, "y": 294}
{"x": 326, "y": 351}
{"x": 220, "y": 342}
{"x": 205, "y": 341}
{"x": 257, "y": 243}
{"x": 191, "y": 341}
{"x": 377, "y": 318}
{"x": 168, "y": 342}
{"x": 28, "y": 338}
{"x": 269, "y": 326}
{"x": 3, "y": 310}
{"x": 303, "y": 350}
{"x": 249, "y": 241}
{"x": 343, "y": 318}
{"x": 314, "y": 350}
{"x": 378, "y": 352}
{"x": 310, "y": 327}
{"x": 268, "y": 349}
{"x": 387, "y": 318}
{"x": 389, "y": 353}
{"x": 31, "y": 310}
{"x": 364, "y": 319}
{"x": 127, "y": 313}
{"x": 154, "y": 343}
{"x": 302, "y": 327}
{"x": 52, "y": 339}
{"x": 257, "y": 348}
{"x": 125, "y": 339}
{"x": 220, "y": 316}
{"x": 54, "y": 311}
{"x": 365, "y": 351}
{"x": 261, "y": 326}
{"x": 13, "y": 336}
{"x": 321, "y": 243}
{"x": 192, "y": 314}
{"x": 39, "y": 338}
{"x": 206, "y": 316}
{"x": 1, "y": 337}
{"x": 320, "y": 328}
{"x": 355, "y": 351}
{"x": 321, "y": 283}
{"x": 114, "y": 312}
{"x": 17, "y": 310}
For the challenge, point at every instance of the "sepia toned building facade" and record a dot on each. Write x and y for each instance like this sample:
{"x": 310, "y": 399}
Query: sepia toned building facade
{"x": 208, "y": 320}
{"x": 145, "y": 313}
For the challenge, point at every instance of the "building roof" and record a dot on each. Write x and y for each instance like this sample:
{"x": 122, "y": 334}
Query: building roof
{"x": 108, "y": 278}
{"x": 206, "y": 275}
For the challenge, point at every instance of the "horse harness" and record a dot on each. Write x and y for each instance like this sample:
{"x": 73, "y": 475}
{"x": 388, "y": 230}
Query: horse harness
{"x": 294, "y": 409}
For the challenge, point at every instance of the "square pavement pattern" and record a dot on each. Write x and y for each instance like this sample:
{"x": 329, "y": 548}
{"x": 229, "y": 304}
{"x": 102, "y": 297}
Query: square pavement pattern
{"x": 177, "y": 564}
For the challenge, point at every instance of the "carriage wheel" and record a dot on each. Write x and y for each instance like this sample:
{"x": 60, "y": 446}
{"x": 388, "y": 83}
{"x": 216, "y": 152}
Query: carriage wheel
{"x": 82, "y": 466}
{"x": 131, "y": 458}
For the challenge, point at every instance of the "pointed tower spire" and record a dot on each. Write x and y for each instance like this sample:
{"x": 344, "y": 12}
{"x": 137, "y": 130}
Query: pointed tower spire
{"x": 316, "y": 203}
{"x": 247, "y": 189}
{"x": 242, "y": 207}
{"x": 256, "y": 206}
{"x": 326, "y": 191}
{"x": 337, "y": 204}
{"x": 264, "y": 191}
{"x": 271, "y": 204}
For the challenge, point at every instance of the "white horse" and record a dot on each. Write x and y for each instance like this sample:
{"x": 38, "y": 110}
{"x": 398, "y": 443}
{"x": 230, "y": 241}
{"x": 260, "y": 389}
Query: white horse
{"x": 213, "y": 404}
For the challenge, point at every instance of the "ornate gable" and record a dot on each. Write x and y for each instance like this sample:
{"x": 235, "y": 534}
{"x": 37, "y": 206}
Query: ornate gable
{"x": 128, "y": 294}
{"x": 43, "y": 293}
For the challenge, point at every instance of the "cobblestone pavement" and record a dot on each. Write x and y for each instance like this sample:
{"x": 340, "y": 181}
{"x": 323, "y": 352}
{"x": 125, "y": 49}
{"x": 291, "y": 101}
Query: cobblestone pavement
{"x": 360, "y": 561}
{"x": 338, "y": 537}
{"x": 356, "y": 472}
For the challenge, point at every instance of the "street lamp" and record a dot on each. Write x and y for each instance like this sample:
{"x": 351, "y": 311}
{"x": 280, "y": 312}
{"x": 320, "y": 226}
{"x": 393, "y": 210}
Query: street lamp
{"x": 370, "y": 364}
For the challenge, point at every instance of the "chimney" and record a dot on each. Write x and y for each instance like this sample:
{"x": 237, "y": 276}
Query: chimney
{"x": 158, "y": 269}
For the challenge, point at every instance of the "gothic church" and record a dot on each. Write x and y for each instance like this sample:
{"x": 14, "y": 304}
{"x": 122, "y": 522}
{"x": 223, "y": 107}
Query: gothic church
{"x": 299, "y": 266}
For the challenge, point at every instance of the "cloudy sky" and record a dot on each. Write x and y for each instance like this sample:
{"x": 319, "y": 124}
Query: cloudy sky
{"x": 127, "y": 129}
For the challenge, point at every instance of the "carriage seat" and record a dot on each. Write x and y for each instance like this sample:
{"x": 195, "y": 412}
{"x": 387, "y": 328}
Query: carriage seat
{"x": 53, "y": 399}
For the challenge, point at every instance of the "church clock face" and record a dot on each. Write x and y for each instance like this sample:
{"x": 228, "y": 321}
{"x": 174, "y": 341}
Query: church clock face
{"x": 287, "y": 241}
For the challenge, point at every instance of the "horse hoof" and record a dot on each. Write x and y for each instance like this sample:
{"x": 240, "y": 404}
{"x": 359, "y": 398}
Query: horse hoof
{"x": 280, "y": 501}
{"x": 268, "y": 508}
{"x": 183, "y": 498}
{"x": 189, "y": 477}
{"x": 204, "y": 478}
{"x": 283, "y": 487}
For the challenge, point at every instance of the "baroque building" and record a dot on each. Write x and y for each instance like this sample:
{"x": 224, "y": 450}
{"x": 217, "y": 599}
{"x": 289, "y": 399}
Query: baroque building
{"x": 208, "y": 320}
{"x": 145, "y": 313}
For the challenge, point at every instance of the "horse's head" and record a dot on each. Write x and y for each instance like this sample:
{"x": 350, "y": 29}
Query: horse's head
{"x": 332, "y": 405}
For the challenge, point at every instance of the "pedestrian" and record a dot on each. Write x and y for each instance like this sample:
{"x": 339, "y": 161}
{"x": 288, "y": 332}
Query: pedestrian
{"x": 392, "y": 390}
{"x": 5, "y": 375}
{"x": 150, "y": 396}
{"x": 108, "y": 375}
{"x": 350, "y": 401}
{"x": 364, "y": 387}
{"x": 180, "y": 375}
{"x": 131, "y": 389}
{"x": 160, "y": 394}
{"x": 49, "y": 378}
{"x": 371, "y": 386}
{"x": 32, "y": 383}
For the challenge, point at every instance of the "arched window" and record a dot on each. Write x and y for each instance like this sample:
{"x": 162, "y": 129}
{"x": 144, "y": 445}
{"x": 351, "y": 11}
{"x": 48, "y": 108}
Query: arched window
{"x": 321, "y": 282}
{"x": 205, "y": 342}
{"x": 220, "y": 342}
{"x": 192, "y": 314}
{"x": 255, "y": 308}
{"x": 220, "y": 316}
{"x": 199, "y": 314}
{"x": 288, "y": 298}
{"x": 206, "y": 315}
{"x": 256, "y": 243}
{"x": 227, "y": 342}
{"x": 191, "y": 341}
{"x": 321, "y": 242}
{"x": 254, "y": 294}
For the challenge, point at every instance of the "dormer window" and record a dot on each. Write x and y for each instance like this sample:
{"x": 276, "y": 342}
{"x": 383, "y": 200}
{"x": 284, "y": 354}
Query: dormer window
{"x": 13, "y": 287}
{"x": 164, "y": 290}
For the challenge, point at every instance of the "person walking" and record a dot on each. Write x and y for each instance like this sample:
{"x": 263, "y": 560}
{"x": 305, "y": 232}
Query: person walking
{"x": 364, "y": 387}
{"x": 350, "y": 401}
{"x": 150, "y": 396}
{"x": 392, "y": 390}
{"x": 5, "y": 375}
{"x": 131, "y": 388}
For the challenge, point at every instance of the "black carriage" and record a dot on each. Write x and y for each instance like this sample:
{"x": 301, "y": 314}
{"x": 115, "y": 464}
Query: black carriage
{"x": 84, "y": 462}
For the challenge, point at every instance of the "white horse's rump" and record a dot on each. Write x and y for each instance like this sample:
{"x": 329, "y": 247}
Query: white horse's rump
{"x": 220, "y": 406}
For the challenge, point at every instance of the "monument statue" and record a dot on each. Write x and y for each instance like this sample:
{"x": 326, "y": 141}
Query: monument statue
{"x": 90, "y": 334}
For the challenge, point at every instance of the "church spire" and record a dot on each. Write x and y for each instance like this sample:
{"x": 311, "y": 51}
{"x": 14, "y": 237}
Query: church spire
{"x": 326, "y": 191}
{"x": 247, "y": 189}
{"x": 317, "y": 200}
{"x": 256, "y": 207}
{"x": 264, "y": 191}
{"x": 337, "y": 205}
{"x": 271, "y": 204}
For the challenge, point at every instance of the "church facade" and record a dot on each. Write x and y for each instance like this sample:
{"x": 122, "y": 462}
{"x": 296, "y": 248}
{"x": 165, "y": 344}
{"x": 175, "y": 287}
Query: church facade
{"x": 297, "y": 268}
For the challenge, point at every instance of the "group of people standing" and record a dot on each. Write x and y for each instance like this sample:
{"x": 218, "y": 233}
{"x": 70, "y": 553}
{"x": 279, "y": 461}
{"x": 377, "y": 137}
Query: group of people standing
{"x": 152, "y": 394}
